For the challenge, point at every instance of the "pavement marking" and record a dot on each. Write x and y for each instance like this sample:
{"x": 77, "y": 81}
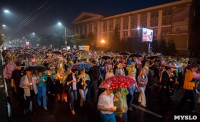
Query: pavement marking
{"x": 148, "y": 111}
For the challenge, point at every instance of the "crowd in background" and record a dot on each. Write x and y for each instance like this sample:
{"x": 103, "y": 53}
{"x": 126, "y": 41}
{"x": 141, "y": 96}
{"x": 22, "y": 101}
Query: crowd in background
{"x": 74, "y": 77}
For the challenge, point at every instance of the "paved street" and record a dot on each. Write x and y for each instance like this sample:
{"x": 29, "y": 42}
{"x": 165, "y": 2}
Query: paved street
{"x": 58, "y": 112}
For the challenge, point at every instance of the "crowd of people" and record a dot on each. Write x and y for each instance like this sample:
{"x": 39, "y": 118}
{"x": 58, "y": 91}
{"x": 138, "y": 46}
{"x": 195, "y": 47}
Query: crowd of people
{"x": 32, "y": 75}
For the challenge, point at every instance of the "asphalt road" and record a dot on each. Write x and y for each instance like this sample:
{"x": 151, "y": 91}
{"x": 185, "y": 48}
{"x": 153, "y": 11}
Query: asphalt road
{"x": 59, "y": 112}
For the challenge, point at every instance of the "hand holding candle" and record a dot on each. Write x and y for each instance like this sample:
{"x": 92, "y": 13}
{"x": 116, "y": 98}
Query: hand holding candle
{"x": 30, "y": 84}
{"x": 43, "y": 80}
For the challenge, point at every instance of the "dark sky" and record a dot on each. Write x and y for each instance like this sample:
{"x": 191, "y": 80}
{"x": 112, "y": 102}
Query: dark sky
{"x": 62, "y": 10}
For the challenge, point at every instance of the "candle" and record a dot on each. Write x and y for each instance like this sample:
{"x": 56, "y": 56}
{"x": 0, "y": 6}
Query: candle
{"x": 81, "y": 83}
{"x": 43, "y": 79}
{"x": 30, "y": 84}
{"x": 171, "y": 79}
{"x": 114, "y": 108}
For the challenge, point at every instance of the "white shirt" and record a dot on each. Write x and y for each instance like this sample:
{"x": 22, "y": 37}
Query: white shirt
{"x": 74, "y": 83}
{"x": 106, "y": 101}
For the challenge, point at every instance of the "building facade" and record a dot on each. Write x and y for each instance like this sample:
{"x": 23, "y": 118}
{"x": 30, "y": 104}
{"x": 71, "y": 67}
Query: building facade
{"x": 171, "y": 22}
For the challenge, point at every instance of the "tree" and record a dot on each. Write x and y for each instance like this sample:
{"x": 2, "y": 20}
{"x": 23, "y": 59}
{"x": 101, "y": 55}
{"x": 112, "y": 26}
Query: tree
{"x": 74, "y": 40}
{"x": 1, "y": 40}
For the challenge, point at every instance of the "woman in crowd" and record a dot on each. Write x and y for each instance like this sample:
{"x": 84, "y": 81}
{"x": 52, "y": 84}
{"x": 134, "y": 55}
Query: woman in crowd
{"x": 109, "y": 73}
{"x": 131, "y": 90}
{"x": 142, "y": 82}
{"x": 60, "y": 79}
{"x": 84, "y": 79}
{"x": 72, "y": 83}
{"x": 41, "y": 86}
{"x": 120, "y": 70}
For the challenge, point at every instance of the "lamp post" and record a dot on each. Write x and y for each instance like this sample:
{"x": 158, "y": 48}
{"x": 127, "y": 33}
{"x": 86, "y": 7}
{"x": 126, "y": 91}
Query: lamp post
{"x": 65, "y": 36}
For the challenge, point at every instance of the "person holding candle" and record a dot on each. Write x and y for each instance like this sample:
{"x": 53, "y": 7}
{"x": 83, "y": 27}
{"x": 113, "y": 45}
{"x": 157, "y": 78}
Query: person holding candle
{"x": 131, "y": 90}
{"x": 60, "y": 79}
{"x": 28, "y": 83}
{"x": 71, "y": 81}
{"x": 41, "y": 86}
{"x": 165, "y": 82}
{"x": 142, "y": 82}
{"x": 106, "y": 105}
{"x": 84, "y": 79}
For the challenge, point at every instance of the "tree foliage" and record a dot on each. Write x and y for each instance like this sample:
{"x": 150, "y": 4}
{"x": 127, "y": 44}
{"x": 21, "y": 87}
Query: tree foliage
{"x": 1, "y": 40}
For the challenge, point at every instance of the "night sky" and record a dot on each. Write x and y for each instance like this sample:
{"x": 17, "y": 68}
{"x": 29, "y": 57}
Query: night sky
{"x": 45, "y": 19}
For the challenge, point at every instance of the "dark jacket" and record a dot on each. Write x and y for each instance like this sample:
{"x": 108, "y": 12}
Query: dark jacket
{"x": 94, "y": 73}
{"x": 165, "y": 79}
{"x": 70, "y": 78}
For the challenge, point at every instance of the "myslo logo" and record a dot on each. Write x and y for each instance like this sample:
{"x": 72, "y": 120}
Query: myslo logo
{"x": 185, "y": 117}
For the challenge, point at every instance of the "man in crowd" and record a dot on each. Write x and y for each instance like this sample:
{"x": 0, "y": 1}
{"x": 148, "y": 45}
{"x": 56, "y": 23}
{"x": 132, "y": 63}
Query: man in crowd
{"x": 15, "y": 79}
{"x": 189, "y": 86}
{"x": 9, "y": 68}
{"x": 28, "y": 83}
{"x": 94, "y": 74}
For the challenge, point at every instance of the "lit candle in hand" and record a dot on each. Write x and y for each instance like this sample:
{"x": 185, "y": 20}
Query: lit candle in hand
{"x": 30, "y": 84}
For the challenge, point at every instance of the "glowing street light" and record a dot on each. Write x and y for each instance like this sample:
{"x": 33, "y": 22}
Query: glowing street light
{"x": 6, "y": 11}
{"x": 59, "y": 23}
{"x": 3, "y": 26}
{"x": 103, "y": 41}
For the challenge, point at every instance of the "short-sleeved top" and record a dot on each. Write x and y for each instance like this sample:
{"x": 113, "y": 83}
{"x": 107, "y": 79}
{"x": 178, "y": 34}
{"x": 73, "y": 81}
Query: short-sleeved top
{"x": 106, "y": 101}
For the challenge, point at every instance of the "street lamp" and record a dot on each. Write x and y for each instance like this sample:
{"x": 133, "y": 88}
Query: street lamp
{"x": 60, "y": 24}
{"x": 3, "y": 26}
{"x": 6, "y": 11}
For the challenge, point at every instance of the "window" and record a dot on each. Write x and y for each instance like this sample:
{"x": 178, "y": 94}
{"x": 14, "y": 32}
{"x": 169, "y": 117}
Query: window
{"x": 166, "y": 21}
{"x": 165, "y": 30}
{"x": 133, "y": 21}
{"x": 154, "y": 14}
{"x": 143, "y": 20}
{"x": 118, "y": 23}
{"x": 164, "y": 13}
{"x": 105, "y": 26}
{"x": 125, "y": 34}
{"x": 133, "y": 33}
{"x": 125, "y": 22}
{"x": 111, "y": 25}
{"x": 144, "y": 25}
{"x": 167, "y": 12}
